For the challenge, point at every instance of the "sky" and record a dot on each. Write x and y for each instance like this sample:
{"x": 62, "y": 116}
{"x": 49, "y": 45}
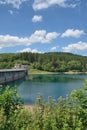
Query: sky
{"x": 40, "y": 26}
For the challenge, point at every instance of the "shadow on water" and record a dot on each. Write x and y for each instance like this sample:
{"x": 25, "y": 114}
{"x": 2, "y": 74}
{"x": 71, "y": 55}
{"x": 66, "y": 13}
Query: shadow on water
{"x": 54, "y": 85}
{"x": 54, "y": 78}
{"x": 14, "y": 83}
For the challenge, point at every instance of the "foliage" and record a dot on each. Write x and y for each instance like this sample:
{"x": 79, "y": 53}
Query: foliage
{"x": 53, "y": 62}
{"x": 68, "y": 113}
{"x": 9, "y": 103}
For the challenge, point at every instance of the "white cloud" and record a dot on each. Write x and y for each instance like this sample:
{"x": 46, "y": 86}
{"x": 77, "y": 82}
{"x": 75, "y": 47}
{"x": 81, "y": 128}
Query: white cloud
{"x": 8, "y": 40}
{"x": 43, "y": 4}
{"x": 11, "y": 12}
{"x": 39, "y": 36}
{"x": 79, "y": 46}
{"x": 29, "y": 50}
{"x": 42, "y": 36}
{"x": 53, "y": 48}
{"x": 2, "y": 2}
{"x": 37, "y": 18}
{"x": 52, "y": 35}
{"x": 73, "y": 33}
{"x": 0, "y": 48}
{"x": 15, "y": 3}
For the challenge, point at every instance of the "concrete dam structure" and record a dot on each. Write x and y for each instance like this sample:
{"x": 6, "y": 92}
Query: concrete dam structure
{"x": 8, "y": 75}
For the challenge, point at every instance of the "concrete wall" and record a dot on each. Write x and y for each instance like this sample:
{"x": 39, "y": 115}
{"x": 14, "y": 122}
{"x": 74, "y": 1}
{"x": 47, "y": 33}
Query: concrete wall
{"x": 11, "y": 75}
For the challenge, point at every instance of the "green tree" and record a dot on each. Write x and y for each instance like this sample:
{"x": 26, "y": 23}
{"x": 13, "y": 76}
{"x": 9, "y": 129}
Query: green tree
{"x": 9, "y": 101}
{"x": 74, "y": 65}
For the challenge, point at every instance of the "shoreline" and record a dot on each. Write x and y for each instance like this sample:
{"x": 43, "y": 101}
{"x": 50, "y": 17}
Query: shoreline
{"x": 29, "y": 106}
{"x": 33, "y": 72}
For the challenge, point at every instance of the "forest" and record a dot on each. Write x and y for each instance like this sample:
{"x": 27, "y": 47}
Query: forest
{"x": 51, "y": 61}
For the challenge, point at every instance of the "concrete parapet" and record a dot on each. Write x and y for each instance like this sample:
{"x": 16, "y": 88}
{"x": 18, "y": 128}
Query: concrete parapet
{"x": 8, "y": 75}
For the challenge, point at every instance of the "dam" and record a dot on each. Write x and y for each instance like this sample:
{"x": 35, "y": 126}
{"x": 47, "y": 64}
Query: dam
{"x": 9, "y": 75}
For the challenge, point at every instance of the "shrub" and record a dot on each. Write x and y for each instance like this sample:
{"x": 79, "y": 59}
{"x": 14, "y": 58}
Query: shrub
{"x": 68, "y": 113}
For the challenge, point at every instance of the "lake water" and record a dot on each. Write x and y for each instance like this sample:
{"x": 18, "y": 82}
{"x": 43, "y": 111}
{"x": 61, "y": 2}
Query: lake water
{"x": 54, "y": 85}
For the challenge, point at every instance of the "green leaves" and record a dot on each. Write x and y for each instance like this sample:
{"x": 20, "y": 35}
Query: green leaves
{"x": 52, "y": 62}
{"x": 9, "y": 100}
{"x": 68, "y": 113}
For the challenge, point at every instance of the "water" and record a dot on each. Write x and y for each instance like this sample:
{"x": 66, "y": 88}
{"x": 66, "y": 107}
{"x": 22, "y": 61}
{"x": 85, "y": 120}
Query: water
{"x": 48, "y": 85}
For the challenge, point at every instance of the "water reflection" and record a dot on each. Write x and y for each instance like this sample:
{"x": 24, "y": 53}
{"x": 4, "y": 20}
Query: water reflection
{"x": 54, "y": 78}
{"x": 49, "y": 85}
{"x": 14, "y": 83}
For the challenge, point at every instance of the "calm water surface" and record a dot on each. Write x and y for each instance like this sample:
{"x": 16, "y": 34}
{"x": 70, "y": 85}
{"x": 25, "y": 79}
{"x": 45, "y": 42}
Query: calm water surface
{"x": 55, "y": 85}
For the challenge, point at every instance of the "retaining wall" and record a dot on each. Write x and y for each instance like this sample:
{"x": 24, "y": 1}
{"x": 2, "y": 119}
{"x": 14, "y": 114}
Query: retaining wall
{"x": 9, "y": 75}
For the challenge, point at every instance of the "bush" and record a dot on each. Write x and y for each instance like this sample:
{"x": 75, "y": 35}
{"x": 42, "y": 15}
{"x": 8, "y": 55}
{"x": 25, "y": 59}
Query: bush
{"x": 68, "y": 113}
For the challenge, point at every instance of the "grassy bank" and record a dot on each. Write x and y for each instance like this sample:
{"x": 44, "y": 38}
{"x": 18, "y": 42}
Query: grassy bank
{"x": 36, "y": 71}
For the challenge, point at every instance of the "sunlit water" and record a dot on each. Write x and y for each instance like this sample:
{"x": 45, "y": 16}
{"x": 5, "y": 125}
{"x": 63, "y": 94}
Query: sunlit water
{"x": 48, "y": 85}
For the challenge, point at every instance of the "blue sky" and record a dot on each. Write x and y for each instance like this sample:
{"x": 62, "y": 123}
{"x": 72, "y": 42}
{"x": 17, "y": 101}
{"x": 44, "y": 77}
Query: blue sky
{"x": 43, "y": 26}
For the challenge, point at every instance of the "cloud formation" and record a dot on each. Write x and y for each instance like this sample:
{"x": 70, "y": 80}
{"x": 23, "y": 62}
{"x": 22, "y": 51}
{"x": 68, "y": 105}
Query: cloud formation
{"x": 73, "y": 33}
{"x": 15, "y": 3}
{"x": 39, "y": 36}
{"x": 8, "y": 40}
{"x": 11, "y": 12}
{"x": 79, "y": 46}
{"x": 43, "y": 4}
{"x": 37, "y": 18}
{"x": 29, "y": 50}
{"x": 54, "y": 48}
{"x": 42, "y": 36}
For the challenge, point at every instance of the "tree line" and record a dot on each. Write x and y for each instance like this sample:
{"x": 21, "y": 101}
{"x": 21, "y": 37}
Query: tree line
{"x": 52, "y": 62}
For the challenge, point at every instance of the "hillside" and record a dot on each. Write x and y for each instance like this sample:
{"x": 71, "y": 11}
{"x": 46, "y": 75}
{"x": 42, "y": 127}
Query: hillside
{"x": 52, "y": 62}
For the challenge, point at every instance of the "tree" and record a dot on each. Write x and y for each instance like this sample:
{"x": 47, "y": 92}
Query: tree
{"x": 74, "y": 65}
{"x": 9, "y": 101}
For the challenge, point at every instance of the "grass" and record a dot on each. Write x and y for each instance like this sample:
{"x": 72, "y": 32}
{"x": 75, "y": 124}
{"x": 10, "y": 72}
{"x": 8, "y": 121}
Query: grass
{"x": 36, "y": 71}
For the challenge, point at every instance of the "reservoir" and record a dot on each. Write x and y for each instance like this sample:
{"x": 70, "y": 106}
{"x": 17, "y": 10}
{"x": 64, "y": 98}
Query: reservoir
{"x": 54, "y": 85}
